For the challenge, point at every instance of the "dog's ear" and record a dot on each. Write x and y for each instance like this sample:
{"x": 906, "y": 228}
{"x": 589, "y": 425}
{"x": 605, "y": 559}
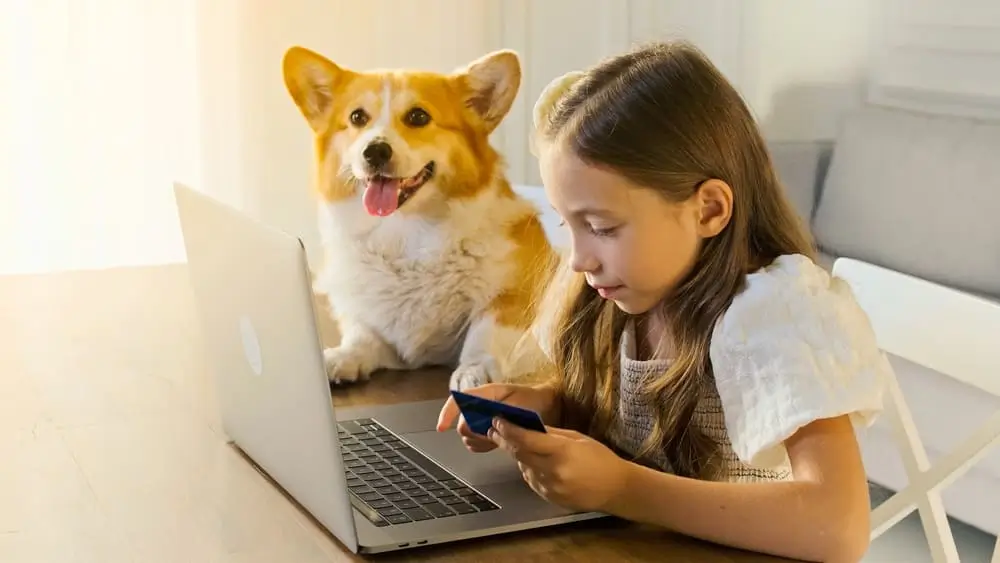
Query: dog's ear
{"x": 547, "y": 101}
{"x": 311, "y": 79}
{"x": 491, "y": 84}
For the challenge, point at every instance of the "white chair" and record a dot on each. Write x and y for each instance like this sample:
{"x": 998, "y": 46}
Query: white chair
{"x": 954, "y": 333}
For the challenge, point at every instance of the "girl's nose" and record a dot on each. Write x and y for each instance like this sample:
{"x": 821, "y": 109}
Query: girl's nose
{"x": 583, "y": 263}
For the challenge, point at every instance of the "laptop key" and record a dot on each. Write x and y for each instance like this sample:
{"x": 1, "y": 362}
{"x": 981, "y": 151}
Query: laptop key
{"x": 408, "y": 486}
{"x": 360, "y": 489}
{"x": 427, "y": 465}
{"x": 354, "y": 482}
{"x": 389, "y": 511}
{"x": 378, "y": 483}
{"x": 405, "y": 503}
{"x": 463, "y": 508}
{"x": 452, "y": 483}
{"x": 441, "y": 493}
{"x": 483, "y": 506}
{"x": 418, "y": 514}
{"x": 438, "y": 510}
{"x": 371, "y": 477}
{"x": 352, "y": 427}
{"x": 370, "y": 496}
{"x": 398, "y": 518}
{"x": 451, "y": 501}
{"x": 393, "y": 497}
{"x": 434, "y": 487}
{"x": 379, "y": 504}
{"x": 425, "y": 499}
{"x": 422, "y": 479}
{"x": 386, "y": 489}
{"x": 398, "y": 479}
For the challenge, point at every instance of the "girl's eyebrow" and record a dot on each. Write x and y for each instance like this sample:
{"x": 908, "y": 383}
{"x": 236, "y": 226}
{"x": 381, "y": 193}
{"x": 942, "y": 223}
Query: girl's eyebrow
{"x": 588, "y": 211}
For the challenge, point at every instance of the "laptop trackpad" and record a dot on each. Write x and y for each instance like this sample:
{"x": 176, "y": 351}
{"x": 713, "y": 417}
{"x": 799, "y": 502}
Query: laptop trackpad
{"x": 447, "y": 450}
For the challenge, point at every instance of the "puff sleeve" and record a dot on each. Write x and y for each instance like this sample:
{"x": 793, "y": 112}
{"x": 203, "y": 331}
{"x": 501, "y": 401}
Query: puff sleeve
{"x": 793, "y": 347}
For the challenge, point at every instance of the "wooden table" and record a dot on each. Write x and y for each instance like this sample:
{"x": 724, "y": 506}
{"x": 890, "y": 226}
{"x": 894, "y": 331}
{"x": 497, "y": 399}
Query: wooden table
{"x": 112, "y": 449}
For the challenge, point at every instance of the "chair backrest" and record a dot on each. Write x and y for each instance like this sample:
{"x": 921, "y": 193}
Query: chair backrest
{"x": 949, "y": 331}
{"x": 954, "y": 333}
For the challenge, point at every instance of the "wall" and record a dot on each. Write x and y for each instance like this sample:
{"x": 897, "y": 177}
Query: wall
{"x": 98, "y": 116}
{"x": 940, "y": 57}
{"x": 758, "y": 44}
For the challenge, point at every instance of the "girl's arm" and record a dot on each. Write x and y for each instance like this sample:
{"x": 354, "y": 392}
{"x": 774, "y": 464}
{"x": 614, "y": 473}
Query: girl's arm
{"x": 823, "y": 515}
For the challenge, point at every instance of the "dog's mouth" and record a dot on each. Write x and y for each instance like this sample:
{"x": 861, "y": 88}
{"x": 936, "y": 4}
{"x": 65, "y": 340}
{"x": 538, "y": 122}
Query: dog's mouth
{"x": 384, "y": 194}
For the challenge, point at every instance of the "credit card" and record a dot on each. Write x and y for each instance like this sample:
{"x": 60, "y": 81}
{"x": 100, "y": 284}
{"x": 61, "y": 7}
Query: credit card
{"x": 479, "y": 413}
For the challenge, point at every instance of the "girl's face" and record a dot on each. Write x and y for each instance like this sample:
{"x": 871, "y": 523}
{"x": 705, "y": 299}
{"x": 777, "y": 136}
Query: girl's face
{"x": 633, "y": 245}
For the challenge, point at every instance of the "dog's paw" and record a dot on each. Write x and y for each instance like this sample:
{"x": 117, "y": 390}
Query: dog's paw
{"x": 471, "y": 375}
{"x": 345, "y": 365}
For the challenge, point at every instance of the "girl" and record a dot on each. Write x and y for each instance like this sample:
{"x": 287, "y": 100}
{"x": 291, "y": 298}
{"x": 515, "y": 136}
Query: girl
{"x": 708, "y": 374}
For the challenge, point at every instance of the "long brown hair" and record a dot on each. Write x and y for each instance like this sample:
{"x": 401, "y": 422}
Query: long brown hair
{"x": 664, "y": 117}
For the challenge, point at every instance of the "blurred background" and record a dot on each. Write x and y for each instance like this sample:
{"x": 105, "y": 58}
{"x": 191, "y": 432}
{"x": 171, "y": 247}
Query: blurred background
{"x": 104, "y": 103}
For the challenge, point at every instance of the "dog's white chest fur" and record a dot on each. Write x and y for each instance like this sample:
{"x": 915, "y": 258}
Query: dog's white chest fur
{"x": 413, "y": 283}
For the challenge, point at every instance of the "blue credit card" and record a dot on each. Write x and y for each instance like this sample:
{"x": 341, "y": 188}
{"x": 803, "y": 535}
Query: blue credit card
{"x": 479, "y": 413}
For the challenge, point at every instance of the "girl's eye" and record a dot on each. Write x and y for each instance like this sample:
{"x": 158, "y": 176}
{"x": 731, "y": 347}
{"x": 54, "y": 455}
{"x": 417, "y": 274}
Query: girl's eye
{"x": 603, "y": 232}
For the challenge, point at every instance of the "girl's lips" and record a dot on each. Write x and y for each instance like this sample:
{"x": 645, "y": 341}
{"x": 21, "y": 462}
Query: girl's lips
{"x": 606, "y": 291}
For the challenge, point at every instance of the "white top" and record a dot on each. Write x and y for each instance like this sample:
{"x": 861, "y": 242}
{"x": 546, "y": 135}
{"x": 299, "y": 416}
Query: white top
{"x": 793, "y": 347}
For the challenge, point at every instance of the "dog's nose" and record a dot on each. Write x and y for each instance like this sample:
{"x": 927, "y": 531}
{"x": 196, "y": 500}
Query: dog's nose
{"x": 377, "y": 153}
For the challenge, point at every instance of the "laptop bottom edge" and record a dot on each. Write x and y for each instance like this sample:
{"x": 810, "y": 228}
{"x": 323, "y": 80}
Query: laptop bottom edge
{"x": 460, "y": 536}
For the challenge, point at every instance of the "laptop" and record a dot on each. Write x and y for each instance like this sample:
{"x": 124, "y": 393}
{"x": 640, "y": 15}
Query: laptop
{"x": 380, "y": 478}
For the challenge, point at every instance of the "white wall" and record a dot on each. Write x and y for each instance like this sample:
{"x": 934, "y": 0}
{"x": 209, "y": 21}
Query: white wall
{"x": 98, "y": 116}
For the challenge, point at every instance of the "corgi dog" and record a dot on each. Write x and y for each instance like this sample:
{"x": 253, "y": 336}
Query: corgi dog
{"x": 430, "y": 257}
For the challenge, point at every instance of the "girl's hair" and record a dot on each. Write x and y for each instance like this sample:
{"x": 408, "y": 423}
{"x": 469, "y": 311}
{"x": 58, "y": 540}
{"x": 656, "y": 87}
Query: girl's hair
{"x": 665, "y": 118}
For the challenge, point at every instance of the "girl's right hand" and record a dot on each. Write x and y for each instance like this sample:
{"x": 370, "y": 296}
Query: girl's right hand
{"x": 539, "y": 399}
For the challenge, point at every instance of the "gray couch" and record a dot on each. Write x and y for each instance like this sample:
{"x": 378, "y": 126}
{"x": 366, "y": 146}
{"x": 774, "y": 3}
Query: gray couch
{"x": 919, "y": 194}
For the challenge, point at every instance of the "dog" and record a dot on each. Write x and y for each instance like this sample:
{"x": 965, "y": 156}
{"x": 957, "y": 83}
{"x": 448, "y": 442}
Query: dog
{"x": 430, "y": 257}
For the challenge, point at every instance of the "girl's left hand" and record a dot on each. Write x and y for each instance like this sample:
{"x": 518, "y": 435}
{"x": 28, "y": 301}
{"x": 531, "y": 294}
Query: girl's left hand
{"x": 563, "y": 466}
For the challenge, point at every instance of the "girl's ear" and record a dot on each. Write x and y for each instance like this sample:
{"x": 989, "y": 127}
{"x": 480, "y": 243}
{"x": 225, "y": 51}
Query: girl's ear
{"x": 551, "y": 95}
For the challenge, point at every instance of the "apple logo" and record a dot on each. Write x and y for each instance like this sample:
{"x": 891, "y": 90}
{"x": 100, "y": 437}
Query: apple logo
{"x": 251, "y": 345}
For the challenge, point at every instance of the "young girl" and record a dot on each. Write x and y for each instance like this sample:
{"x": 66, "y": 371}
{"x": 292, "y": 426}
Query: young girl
{"x": 708, "y": 374}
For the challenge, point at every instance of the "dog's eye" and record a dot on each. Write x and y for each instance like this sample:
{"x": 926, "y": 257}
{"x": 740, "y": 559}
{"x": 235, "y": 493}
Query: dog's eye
{"x": 359, "y": 118}
{"x": 417, "y": 117}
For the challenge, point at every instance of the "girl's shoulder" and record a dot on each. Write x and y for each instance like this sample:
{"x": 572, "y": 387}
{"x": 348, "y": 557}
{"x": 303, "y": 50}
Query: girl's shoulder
{"x": 791, "y": 293}
{"x": 794, "y": 346}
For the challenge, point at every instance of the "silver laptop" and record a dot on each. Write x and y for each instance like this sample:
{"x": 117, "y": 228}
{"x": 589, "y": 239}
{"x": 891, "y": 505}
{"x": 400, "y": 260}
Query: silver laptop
{"x": 379, "y": 478}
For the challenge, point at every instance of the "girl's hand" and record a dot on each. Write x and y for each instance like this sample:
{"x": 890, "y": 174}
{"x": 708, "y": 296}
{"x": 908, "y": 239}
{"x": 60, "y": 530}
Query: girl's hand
{"x": 564, "y": 467}
{"x": 539, "y": 399}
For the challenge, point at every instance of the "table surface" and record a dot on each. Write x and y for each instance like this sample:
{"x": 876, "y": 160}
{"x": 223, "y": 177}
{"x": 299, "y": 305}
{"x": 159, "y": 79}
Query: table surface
{"x": 112, "y": 448}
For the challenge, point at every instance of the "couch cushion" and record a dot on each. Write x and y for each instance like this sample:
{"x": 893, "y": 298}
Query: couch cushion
{"x": 800, "y": 165}
{"x": 918, "y": 194}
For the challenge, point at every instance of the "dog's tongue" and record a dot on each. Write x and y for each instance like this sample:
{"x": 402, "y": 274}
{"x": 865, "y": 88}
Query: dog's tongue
{"x": 381, "y": 197}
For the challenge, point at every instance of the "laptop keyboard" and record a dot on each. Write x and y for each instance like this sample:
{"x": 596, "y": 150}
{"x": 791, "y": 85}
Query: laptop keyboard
{"x": 392, "y": 483}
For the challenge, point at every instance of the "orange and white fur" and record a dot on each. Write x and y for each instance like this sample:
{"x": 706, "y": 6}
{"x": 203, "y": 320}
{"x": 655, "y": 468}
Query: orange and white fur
{"x": 430, "y": 256}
